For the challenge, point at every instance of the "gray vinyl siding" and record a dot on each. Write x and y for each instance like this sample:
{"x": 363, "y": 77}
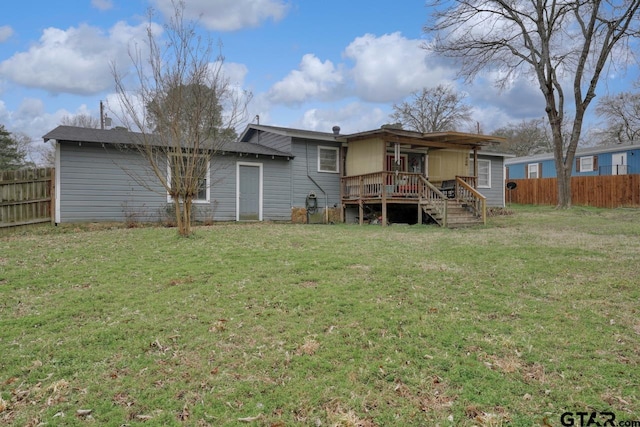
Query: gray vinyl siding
{"x": 495, "y": 194}
{"x": 305, "y": 172}
{"x": 104, "y": 184}
{"x": 95, "y": 185}
{"x": 223, "y": 188}
{"x": 277, "y": 190}
{"x": 276, "y": 184}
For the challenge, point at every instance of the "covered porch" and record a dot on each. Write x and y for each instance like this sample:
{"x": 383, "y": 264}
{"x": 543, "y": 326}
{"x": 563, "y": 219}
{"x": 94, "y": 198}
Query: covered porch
{"x": 435, "y": 174}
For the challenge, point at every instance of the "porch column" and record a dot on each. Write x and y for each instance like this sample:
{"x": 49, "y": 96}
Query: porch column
{"x": 475, "y": 166}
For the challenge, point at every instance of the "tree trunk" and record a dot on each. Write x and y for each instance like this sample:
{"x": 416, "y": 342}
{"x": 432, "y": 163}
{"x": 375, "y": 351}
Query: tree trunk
{"x": 563, "y": 166}
{"x": 185, "y": 229}
{"x": 564, "y": 186}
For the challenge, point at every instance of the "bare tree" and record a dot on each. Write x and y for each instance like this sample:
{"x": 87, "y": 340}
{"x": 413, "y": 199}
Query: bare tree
{"x": 81, "y": 120}
{"x": 435, "y": 109}
{"x": 622, "y": 114}
{"x": 563, "y": 44}
{"x": 184, "y": 108}
{"x": 35, "y": 152}
{"x": 525, "y": 138}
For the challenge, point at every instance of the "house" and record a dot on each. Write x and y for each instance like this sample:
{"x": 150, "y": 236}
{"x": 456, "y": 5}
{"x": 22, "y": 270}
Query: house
{"x": 280, "y": 174}
{"x": 615, "y": 159}
{"x": 605, "y": 176}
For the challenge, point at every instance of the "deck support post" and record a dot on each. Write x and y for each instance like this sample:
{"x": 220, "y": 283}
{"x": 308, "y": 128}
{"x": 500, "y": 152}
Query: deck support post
{"x": 384, "y": 211}
{"x": 361, "y": 212}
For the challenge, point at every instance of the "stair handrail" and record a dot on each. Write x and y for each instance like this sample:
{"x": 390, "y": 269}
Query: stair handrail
{"x": 436, "y": 198}
{"x": 477, "y": 200}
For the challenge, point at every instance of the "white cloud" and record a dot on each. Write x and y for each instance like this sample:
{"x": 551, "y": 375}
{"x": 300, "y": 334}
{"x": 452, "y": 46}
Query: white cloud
{"x": 314, "y": 79}
{"x": 353, "y": 117}
{"x": 390, "y": 67}
{"x": 5, "y": 32}
{"x": 102, "y": 4}
{"x": 5, "y": 115}
{"x": 76, "y": 60}
{"x": 521, "y": 100}
{"x": 235, "y": 72}
{"x": 228, "y": 15}
{"x": 31, "y": 118}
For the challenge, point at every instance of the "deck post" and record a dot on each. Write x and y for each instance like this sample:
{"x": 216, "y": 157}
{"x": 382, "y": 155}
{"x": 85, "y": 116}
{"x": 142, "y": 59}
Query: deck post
{"x": 361, "y": 212}
{"x": 384, "y": 199}
{"x": 384, "y": 211}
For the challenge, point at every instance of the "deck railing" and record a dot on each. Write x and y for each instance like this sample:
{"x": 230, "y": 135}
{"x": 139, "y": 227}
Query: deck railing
{"x": 436, "y": 199}
{"x": 383, "y": 184}
{"x": 466, "y": 193}
{"x": 407, "y": 186}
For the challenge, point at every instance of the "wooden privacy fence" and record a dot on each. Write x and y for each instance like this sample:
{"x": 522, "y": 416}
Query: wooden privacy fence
{"x": 26, "y": 197}
{"x": 603, "y": 191}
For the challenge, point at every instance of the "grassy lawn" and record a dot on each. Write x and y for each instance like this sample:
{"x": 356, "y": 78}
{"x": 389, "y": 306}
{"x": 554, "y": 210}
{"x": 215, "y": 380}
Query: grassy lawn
{"x": 531, "y": 316}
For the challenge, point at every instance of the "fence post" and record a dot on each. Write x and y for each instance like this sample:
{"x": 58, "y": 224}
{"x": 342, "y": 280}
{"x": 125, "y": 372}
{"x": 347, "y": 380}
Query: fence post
{"x": 52, "y": 195}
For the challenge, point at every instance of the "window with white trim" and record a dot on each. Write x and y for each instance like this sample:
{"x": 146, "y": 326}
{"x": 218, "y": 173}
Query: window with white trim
{"x": 484, "y": 172}
{"x": 586, "y": 164}
{"x": 186, "y": 165}
{"x": 328, "y": 159}
{"x": 533, "y": 170}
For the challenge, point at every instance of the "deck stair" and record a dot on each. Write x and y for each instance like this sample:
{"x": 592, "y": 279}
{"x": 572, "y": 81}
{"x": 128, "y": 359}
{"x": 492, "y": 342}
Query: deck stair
{"x": 458, "y": 214}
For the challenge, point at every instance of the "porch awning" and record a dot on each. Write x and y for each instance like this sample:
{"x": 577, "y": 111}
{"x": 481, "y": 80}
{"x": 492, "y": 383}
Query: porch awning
{"x": 431, "y": 140}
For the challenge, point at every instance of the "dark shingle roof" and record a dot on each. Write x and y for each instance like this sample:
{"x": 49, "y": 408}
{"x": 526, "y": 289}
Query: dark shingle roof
{"x": 293, "y": 133}
{"x": 123, "y": 136}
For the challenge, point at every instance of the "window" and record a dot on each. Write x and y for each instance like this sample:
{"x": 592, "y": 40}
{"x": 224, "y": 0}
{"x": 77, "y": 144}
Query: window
{"x": 484, "y": 172}
{"x": 391, "y": 163}
{"x": 328, "y": 159}
{"x": 185, "y": 165}
{"x": 586, "y": 164}
{"x": 533, "y": 170}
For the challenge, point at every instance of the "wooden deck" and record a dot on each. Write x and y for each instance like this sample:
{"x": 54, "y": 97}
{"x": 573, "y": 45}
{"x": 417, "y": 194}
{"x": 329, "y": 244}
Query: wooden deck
{"x": 405, "y": 188}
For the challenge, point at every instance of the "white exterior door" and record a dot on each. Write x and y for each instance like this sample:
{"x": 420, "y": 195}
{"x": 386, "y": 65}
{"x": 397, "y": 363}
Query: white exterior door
{"x": 619, "y": 164}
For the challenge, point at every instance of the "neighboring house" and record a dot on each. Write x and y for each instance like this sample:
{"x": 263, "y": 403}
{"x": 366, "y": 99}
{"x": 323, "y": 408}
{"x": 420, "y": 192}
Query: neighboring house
{"x": 606, "y": 160}
{"x": 276, "y": 174}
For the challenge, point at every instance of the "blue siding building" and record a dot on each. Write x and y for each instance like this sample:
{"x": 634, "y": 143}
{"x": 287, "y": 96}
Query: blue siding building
{"x": 606, "y": 160}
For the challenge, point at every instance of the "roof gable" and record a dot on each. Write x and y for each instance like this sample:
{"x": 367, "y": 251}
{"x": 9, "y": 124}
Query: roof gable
{"x": 251, "y": 129}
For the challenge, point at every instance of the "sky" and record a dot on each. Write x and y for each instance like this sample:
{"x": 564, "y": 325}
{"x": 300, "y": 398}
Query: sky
{"x": 309, "y": 64}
